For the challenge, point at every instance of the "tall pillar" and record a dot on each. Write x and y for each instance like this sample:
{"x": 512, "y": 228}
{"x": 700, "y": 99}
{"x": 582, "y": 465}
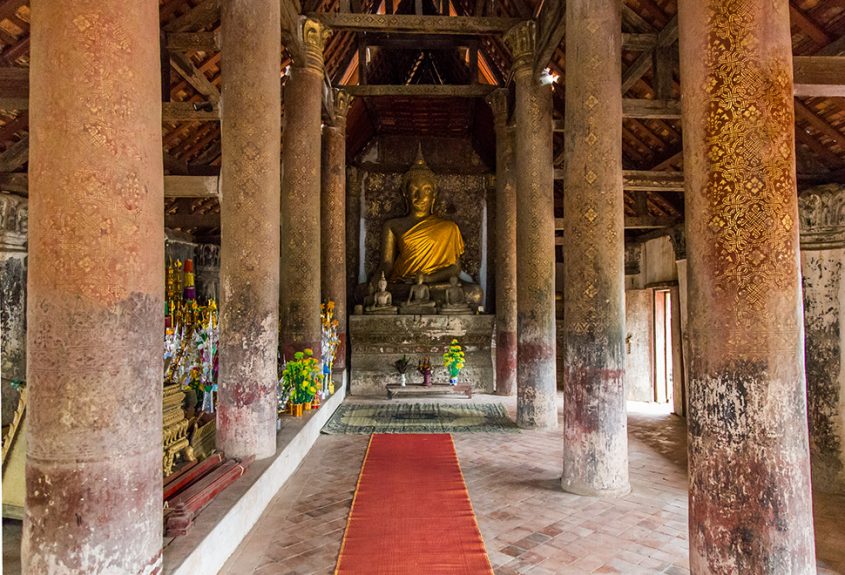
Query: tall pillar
{"x": 333, "y": 207}
{"x": 249, "y": 247}
{"x": 95, "y": 290}
{"x": 822, "y": 225}
{"x": 750, "y": 505}
{"x": 300, "y": 288}
{"x": 506, "y": 347}
{"x": 595, "y": 437}
{"x": 535, "y": 237}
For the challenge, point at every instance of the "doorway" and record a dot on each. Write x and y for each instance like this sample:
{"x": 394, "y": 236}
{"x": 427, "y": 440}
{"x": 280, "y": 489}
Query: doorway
{"x": 663, "y": 359}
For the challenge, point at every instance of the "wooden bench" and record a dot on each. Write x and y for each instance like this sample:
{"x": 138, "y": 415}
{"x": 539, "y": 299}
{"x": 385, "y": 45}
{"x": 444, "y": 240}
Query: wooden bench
{"x": 420, "y": 390}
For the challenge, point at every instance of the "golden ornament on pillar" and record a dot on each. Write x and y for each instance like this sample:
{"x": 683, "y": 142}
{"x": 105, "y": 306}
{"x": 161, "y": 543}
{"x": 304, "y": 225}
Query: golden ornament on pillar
{"x": 314, "y": 36}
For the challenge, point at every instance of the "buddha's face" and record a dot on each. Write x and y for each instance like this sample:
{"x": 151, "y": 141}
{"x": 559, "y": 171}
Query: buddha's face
{"x": 421, "y": 194}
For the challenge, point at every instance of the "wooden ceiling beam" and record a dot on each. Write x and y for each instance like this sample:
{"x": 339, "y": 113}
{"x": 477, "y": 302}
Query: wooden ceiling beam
{"x": 639, "y": 42}
{"x": 195, "y": 77}
{"x": 16, "y": 155}
{"x": 645, "y": 180}
{"x": 191, "y": 187}
{"x": 193, "y": 41}
{"x": 651, "y": 109}
{"x": 205, "y": 13}
{"x": 410, "y": 24}
{"x": 819, "y": 76}
{"x": 190, "y": 112}
{"x": 632, "y": 223}
{"x": 421, "y": 90}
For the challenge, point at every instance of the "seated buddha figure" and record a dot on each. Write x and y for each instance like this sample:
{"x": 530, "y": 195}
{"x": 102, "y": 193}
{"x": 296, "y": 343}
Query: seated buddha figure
{"x": 421, "y": 243}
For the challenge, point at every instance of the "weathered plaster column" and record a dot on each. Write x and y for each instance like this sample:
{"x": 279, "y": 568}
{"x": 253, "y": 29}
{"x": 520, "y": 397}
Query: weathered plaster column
{"x": 300, "y": 287}
{"x": 333, "y": 208}
{"x": 750, "y": 505}
{"x": 595, "y": 442}
{"x": 13, "y": 231}
{"x": 95, "y": 290}
{"x": 506, "y": 347}
{"x": 822, "y": 213}
{"x": 535, "y": 238}
{"x": 249, "y": 247}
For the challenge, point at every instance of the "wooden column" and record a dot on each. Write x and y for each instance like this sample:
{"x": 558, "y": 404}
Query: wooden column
{"x": 300, "y": 282}
{"x": 333, "y": 208}
{"x": 95, "y": 290}
{"x": 506, "y": 347}
{"x": 249, "y": 247}
{"x": 535, "y": 238}
{"x": 750, "y": 501}
{"x": 595, "y": 444}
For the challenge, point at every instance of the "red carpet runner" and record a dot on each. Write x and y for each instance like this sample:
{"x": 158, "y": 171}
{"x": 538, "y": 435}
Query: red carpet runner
{"x": 411, "y": 514}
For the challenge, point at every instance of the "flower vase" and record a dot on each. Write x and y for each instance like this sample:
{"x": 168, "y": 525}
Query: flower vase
{"x": 453, "y": 380}
{"x": 207, "y": 401}
{"x": 298, "y": 410}
{"x": 307, "y": 406}
{"x": 427, "y": 379}
{"x": 402, "y": 379}
{"x": 316, "y": 403}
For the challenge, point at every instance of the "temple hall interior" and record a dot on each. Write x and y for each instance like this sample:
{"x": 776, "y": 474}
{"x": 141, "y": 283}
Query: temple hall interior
{"x": 422, "y": 287}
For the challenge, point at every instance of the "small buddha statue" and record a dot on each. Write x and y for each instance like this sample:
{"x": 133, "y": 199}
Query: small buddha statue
{"x": 419, "y": 299}
{"x": 382, "y": 300}
{"x": 456, "y": 302}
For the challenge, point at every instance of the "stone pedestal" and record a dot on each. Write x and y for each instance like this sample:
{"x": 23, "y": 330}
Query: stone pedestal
{"x": 535, "y": 238}
{"x": 299, "y": 301}
{"x": 595, "y": 445}
{"x": 333, "y": 208}
{"x": 822, "y": 213}
{"x": 95, "y": 290}
{"x": 249, "y": 313}
{"x": 750, "y": 498}
{"x": 378, "y": 341}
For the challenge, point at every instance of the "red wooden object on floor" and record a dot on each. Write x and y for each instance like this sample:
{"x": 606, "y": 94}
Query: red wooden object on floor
{"x": 412, "y": 513}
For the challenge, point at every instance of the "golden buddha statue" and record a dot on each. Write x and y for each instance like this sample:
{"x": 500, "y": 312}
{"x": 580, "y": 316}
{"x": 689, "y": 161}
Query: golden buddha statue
{"x": 421, "y": 243}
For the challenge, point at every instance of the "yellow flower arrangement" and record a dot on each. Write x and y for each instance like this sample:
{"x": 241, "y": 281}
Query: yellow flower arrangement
{"x": 454, "y": 360}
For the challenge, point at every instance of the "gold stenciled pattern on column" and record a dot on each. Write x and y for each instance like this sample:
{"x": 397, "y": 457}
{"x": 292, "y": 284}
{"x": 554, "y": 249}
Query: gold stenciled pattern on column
{"x": 314, "y": 36}
{"x": 749, "y": 143}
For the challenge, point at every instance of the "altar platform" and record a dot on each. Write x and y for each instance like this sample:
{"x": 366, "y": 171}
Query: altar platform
{"x": 377, "y": 341}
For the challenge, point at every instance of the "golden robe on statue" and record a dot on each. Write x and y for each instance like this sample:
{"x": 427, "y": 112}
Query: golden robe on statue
{"x": 432, "y": 244}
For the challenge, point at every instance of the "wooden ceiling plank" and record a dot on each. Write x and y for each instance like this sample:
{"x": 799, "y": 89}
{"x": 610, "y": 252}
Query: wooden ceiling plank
{"x": 835, "y": 48}
{"x": 809, "y": 26}
{"x": 803, "y": 112}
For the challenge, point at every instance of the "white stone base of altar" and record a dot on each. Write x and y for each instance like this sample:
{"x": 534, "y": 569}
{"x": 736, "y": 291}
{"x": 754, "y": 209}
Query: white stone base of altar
{"x": 377, "y": 341}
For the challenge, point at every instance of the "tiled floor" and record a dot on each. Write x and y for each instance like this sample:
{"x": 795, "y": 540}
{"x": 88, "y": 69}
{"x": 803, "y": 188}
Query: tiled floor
{"x": 529, "y": 524}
